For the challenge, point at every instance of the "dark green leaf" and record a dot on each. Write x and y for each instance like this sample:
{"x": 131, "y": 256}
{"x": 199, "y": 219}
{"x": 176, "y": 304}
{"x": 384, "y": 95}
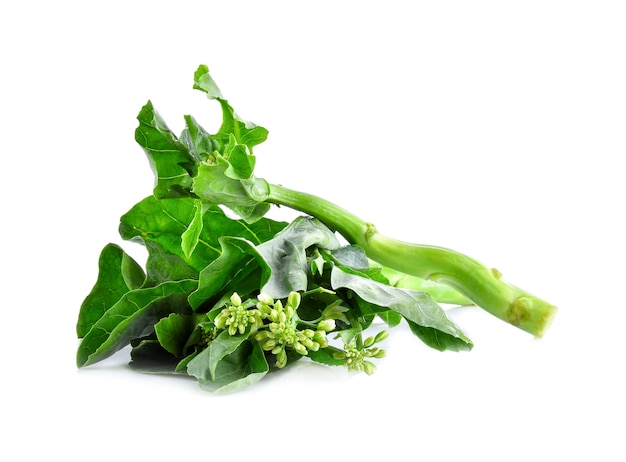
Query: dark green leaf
{"x": 162, "y": 266}
{"x": 118, "y": 273}
{"x": 239, "y": 266}
{"x": 147, "y": 355}
{"x": 174, "y": 331}
{"x": 133, "y": 316}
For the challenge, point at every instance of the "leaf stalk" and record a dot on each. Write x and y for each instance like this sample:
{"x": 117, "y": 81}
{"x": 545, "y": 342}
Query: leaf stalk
{"x": 480, "y": 284}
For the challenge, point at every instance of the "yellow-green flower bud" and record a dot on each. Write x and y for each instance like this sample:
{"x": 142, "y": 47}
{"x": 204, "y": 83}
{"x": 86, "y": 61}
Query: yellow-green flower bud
{"x": 235, "y": 299}
{"x": 261, "y": 336}
{"x": 220, "y": 320}
{"x": 293, "y": 300}
{"x": 326, "y": 325}
{"x": 300, "y": 348}
{"x": 380, "y": 354}
{"x": 289, "y": 312}
{"x": 281, "y": 359}
{"x": 382, "y": 335}
{"x": 369, "y": 367}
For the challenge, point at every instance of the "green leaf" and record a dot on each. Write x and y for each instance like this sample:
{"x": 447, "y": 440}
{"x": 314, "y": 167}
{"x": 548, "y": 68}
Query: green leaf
{"x": 133, "y": 316}
{"x": 202, "y": 80}
{"x": 239, "y": 266}
{"x": 286, "y": 255}
{"x": 118, "y": 273}
{"x": 174, "y": 331}
{"x": 197, "y": 140}
{"x": 391, "y": 318}
{"x": 204, "y": 365}
{"x": 325, "y": 356}
{"x": 213, "y": 185}
{"x": 162, "y": 266}
{"x": 240, "y": 163}
{"x": 352, "y": 256}
{"x": 148, "y": 356}
{"x": 416, "y": 307}
{"x": 169, "y": 158}
{"x": 245, "y": 132}
{"x": 191, "y": 236}
{"x": 243, "y": 367}
{"x": 253, "y": 213}
{"x": 165, "y": 221}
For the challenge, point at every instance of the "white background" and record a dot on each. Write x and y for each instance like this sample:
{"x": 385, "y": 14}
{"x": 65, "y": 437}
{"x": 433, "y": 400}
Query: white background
{"x": 493, "y": 128}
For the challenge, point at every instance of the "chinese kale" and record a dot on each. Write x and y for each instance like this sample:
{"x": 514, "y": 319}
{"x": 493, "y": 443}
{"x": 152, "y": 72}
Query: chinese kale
{"x": 228, "y": 300}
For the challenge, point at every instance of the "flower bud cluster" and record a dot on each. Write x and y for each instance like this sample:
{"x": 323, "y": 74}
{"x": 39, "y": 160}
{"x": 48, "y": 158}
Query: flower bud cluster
{"x": 282, "y": 331}
{"x": 356, "y": 357}
{"x": 208, "y": 333}
{"x": 237, "y": 316}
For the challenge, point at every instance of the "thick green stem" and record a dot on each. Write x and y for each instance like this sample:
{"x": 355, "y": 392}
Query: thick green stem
{"x": 481, "y": 285}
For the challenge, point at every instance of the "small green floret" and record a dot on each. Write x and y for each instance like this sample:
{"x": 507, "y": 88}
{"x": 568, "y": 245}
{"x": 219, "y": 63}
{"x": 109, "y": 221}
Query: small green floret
{"x": 356, "y": 356}
{"x": 238, "y": 317}
{"x": 282, "y": 331}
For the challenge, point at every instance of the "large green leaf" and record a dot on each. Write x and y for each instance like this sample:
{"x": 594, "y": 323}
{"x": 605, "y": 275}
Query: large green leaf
{"x": 436, "y": 329}
{"x": 118, "y": 273}
{"x": 133, "y": 316}
{"x": 166, "y": 221}
{"x": 162, "y": 266}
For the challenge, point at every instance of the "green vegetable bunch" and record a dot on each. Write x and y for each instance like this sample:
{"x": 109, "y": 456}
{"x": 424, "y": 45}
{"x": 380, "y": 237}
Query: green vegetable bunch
{"x": 229, "y": 300}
